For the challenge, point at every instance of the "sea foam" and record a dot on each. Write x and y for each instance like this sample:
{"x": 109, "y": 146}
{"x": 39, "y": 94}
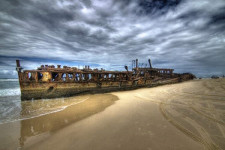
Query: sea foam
{"x": 9, "y": 92}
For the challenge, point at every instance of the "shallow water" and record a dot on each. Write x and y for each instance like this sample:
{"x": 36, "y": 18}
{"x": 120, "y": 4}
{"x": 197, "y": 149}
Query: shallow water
{"x": 13, "y": 109}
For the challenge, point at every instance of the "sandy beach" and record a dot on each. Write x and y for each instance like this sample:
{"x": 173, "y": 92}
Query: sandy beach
{"x": 188, "y": 115}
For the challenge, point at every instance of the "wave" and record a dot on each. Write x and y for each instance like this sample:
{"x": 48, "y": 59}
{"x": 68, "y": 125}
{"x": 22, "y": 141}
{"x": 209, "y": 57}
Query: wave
{"x": 3, "y": 80}
{"x": 42, "y": 114}
{"x": 9, "y": 92}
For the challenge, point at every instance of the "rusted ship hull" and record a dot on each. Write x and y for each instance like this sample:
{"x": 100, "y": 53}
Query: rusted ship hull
{"x": 47, "y": 82}
{"x": 54, "y": 90}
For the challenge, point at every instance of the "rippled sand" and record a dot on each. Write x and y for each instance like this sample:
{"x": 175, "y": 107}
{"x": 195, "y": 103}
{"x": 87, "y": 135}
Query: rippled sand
{"x": 189, "y": 115}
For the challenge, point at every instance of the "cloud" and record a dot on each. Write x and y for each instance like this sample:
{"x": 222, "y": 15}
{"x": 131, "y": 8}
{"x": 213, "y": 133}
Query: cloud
{"x": 188, "y": 36}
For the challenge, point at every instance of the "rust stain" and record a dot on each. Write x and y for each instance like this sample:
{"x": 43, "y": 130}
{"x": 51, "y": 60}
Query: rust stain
{"x": 50, "y": 81}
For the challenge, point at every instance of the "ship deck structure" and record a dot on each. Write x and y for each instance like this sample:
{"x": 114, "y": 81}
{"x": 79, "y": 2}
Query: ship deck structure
{"x": 48, "y": 81}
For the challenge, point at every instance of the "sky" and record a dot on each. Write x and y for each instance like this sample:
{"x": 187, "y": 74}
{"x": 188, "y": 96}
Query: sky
{"x": 186, "y": 35}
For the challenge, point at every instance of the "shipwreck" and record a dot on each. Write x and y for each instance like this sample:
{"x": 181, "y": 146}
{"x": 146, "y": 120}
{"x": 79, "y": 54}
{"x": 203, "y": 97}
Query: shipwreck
{"x": 48, "y": 81}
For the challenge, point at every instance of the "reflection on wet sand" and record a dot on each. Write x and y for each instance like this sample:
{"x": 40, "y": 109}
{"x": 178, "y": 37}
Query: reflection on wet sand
{"x": 81, "y": 109}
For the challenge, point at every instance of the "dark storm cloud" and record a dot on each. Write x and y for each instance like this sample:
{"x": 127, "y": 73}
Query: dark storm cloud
{"x": 157, "y": 6}
{"x": 182, "y": 34}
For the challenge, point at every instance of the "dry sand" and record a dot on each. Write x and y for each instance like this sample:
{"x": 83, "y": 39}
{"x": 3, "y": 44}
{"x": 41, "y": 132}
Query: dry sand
{"x": 189, "y": 115}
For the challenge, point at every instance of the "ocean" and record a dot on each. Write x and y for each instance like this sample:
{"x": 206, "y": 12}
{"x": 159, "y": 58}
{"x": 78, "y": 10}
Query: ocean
{"x": 13, "y": 109}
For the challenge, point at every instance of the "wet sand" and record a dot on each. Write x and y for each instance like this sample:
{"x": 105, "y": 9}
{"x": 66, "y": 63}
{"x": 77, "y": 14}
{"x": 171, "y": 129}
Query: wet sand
{"x": 188, "y": 115}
